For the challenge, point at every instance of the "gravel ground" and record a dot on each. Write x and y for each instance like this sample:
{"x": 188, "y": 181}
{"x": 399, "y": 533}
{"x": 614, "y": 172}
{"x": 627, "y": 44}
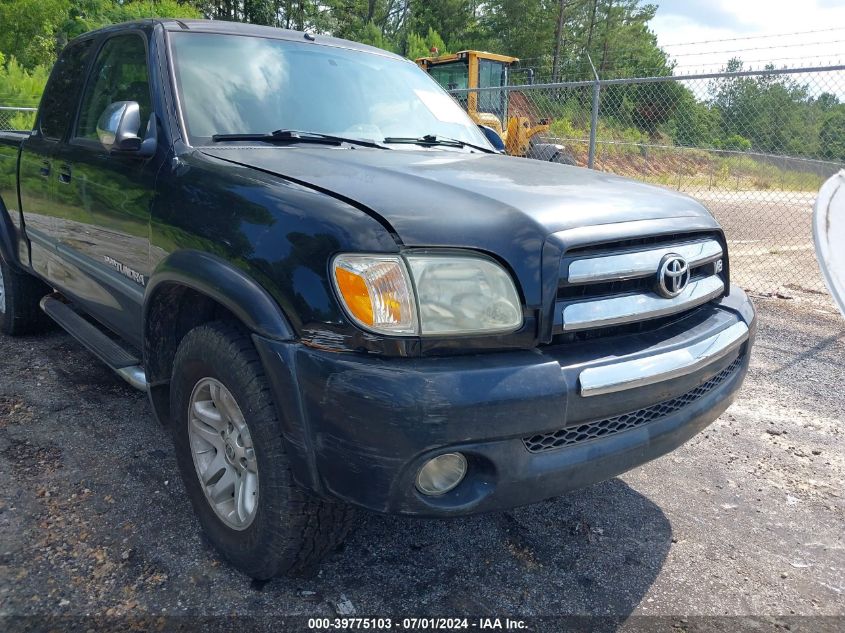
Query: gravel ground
{"x": 746, "y": 519}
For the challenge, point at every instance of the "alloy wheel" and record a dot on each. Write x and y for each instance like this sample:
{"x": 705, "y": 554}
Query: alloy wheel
{"x": 223, "y": 453}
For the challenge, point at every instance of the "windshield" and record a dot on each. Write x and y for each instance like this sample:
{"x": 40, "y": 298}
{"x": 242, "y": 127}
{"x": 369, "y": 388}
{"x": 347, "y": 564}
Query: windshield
{"x": 230, "y": 84}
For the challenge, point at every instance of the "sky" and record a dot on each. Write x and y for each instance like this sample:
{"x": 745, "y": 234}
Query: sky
{"x": 681, "y": 22}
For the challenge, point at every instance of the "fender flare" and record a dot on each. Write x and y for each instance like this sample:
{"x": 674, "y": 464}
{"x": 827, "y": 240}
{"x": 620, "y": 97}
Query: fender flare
{"x": 229, "y": 286}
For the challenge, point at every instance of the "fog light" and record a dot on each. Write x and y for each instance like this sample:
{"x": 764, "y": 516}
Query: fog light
{"x": 439, "y": 475}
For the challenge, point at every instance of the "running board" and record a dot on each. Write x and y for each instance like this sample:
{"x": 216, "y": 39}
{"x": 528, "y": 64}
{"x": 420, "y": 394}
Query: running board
{"x": 123, "y": 362}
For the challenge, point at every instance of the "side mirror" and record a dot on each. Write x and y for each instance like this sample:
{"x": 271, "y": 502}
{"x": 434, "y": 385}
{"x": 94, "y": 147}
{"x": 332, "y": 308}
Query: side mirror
{"x": 494, "y": 138}
{"x": 118, "y": 128}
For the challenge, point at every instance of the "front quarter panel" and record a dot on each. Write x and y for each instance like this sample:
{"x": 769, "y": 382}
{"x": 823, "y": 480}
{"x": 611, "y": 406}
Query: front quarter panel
{"x": 279, "y": 233}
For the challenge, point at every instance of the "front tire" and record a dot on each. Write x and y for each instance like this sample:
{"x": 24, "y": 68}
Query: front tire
{"x": 233, "y": 462}
{"x": 19, "y": 297}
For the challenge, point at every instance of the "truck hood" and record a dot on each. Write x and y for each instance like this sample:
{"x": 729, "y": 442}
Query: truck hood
{"x": 507, "y": 206}
{"x": 442, "y": 197}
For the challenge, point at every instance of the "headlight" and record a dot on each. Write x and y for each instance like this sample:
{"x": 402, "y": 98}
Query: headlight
{"x": 464, "y": 295}
{"x": 455, "y": 294}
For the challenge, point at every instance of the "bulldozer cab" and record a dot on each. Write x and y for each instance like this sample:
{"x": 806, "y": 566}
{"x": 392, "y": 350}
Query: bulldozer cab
{"x": 511, "y": 114}
{"x": 468, "y": 70}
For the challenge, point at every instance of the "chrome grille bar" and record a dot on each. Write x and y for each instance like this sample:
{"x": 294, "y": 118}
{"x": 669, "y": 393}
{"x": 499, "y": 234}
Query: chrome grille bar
{"x": 615, "y": 310}
{"x": 634, "y": 265}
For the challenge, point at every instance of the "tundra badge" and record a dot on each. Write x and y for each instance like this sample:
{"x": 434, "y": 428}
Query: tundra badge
{"x": 124, "y": 270}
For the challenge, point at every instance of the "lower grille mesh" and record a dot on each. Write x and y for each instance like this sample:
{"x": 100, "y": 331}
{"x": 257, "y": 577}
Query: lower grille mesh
{"x": 599, "y": 428}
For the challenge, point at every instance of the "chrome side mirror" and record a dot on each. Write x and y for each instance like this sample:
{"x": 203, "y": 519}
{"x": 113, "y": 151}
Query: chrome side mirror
{"x": 118, "y": 128}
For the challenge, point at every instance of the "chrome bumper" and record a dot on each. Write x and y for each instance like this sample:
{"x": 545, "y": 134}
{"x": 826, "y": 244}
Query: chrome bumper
{"x": 640, "y": 372}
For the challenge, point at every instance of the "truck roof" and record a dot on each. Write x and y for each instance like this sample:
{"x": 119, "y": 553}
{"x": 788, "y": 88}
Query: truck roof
{"x": 249, "y": 30}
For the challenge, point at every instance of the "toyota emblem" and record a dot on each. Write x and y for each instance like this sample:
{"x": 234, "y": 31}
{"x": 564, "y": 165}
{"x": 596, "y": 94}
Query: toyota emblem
{"x": 672, "y": 275}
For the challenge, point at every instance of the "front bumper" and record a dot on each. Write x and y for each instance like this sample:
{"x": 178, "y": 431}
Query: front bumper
{"x": 359, "y": 428}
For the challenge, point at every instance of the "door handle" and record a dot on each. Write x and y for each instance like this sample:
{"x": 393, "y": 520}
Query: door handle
{"x": 45, "y": 168}
{"x": 64, "y": 173}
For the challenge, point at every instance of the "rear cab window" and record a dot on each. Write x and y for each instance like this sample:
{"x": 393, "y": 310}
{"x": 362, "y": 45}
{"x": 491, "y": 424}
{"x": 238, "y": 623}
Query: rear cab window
{"x": 61, "y": 95}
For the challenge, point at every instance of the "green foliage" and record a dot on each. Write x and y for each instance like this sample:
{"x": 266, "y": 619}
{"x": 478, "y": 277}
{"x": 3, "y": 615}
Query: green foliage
{"x": 20, "y": 87}
{"x": 523, "y": 28}
{"x": 35, "y": 30}
{"x": 693, "y": 124}
{"x": 372, "y": 35}
{"x": 419, "y": 46}
{"x": 773, "y": 113}
{"x": 735, "y": 142}
{"x": 28, "y": 30}
{"x": 454, "y": 20}
{"x": 832, "y": 135}
{"x": 85, "y": 15}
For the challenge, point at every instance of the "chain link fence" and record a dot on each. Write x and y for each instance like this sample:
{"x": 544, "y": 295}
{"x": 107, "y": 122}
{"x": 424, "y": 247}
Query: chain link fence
{"x": 753, "y": 146}
{"x": 16, "y": 118}
{"x": 12, "y": 118}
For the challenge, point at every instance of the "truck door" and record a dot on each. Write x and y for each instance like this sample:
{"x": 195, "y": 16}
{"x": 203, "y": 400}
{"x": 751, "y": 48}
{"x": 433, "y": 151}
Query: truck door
{"x": 105, "y": 244}
{"x": 37, "y": 171}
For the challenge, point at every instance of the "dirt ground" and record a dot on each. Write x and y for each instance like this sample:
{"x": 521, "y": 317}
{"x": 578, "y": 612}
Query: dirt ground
{"x": 746, "y": 519}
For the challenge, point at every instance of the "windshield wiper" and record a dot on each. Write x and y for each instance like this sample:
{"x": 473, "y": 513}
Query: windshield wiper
{"x": 433, "y": 139}
{"x": 296, "y": 136}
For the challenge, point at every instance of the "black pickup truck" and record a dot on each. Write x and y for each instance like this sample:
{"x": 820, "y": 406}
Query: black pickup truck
{"x": 338, "y": 294}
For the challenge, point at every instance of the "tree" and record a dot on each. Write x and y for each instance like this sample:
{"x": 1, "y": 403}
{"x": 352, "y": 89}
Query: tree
{"x": 20, "y": 87}
{"x": 832, "y": 135}
{"x": 773, "y": 111}
{"x": 419, "y": 46}
{"x": 85, "y": 15}
{"x": 454, "y": 20}
{"x": 522, "y": 28}
{"x": 28, "y": 30}
{"x": 559, "y": 35}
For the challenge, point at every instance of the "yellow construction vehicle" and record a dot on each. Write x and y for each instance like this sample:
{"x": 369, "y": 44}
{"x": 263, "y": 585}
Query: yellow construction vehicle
{"x": 509, "y": 113}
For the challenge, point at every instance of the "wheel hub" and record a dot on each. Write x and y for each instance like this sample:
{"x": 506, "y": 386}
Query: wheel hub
{"x": 223, "y": 454}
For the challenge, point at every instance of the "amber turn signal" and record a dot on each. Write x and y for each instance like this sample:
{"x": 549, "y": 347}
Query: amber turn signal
{"x": 376, "y": 292}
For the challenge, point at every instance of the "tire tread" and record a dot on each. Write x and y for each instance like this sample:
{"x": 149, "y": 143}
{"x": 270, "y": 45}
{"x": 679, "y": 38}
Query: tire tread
{"x": 313, "y": 526}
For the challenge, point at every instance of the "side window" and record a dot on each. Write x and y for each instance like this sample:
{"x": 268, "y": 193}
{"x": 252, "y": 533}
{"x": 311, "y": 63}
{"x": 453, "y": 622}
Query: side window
{"x": 119, "y": 74}
{"x": 62, "y": 92}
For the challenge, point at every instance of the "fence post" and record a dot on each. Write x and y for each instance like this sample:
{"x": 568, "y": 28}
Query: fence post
{"x": 594, "y": 123}
{"x": 594, "y": 115}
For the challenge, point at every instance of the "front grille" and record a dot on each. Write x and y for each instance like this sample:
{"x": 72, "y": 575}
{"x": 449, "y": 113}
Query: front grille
{"x": 635, "y": 327}
{"x": 615, "y": 284}
{"x": 625, "y": 286}
{"x": 609, "y": 426}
